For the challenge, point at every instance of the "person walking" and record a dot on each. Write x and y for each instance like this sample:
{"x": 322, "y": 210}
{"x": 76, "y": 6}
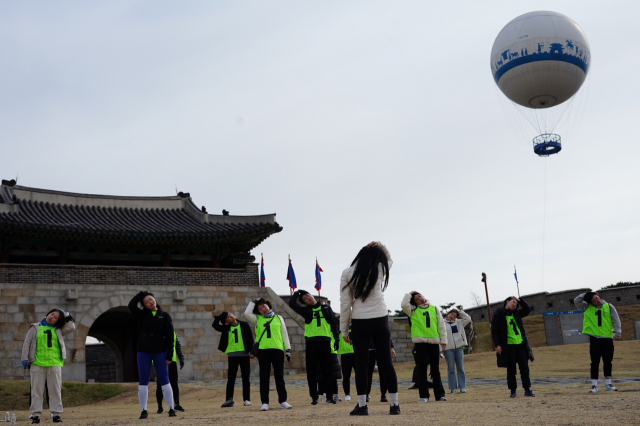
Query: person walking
{"x": 236, "y": 341}
{"x": 320, "y": 329}
{"x": 362, "y": 305}
{"x": 173, "y": 377}
{"x": 274, "y": 346}
{"x": 455, "y": 322}
{"x": 602, "y": 324}
{"x": 155, "y": 345}
{"x": 429, "y": 335}
{"x": 512, "y": 346}
{"x": 44, "y": 352}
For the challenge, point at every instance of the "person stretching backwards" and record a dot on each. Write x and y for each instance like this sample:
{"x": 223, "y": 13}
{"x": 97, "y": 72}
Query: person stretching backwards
{"x": 600, "y": 321}
{"x": 236, "y": 341}
{"x": 429, "y": 333}
{"x": 319, "y": 328}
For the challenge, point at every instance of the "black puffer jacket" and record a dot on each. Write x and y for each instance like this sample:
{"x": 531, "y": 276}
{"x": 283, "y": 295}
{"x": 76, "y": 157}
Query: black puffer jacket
{"x": 335, "y": 369}
{"x": 156, "y": 332}
{"x": 499, "y": 330}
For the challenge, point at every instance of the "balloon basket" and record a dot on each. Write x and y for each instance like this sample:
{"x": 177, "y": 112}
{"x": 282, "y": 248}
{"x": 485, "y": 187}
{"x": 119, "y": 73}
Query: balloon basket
{"x": 547, "y": 144}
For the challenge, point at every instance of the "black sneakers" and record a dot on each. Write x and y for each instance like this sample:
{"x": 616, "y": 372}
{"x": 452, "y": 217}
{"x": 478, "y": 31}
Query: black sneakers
{"x": 36, "y": 420}
{"x": 228, "y": 404}
{"x": 172, "y": 413}
{"x": 314, "y": 401}
{"x": 360, "y": 411}
{"x": 160, "y": 409}
{"x": 144, "y": 414}
{"x": 179, "y": 408}
{"x": 383, "y": 398}
{"x": 395, "y": 409}
{"x": 57, "y": 419}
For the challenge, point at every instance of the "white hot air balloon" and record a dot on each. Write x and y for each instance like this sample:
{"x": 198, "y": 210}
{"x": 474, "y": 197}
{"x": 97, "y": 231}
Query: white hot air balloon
{"x": 539, "y": 61}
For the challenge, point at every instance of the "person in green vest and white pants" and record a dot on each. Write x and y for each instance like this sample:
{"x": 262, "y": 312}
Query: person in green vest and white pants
{"x": 173, "y": 376}
{"x": 602, "y": 324}
{"x": 429, "y": 334}
{"x": 320, "y": 328}
{"x": 236, "y": 341}
{"x": 44, "y": 350}
{"x": 274, "y": 346}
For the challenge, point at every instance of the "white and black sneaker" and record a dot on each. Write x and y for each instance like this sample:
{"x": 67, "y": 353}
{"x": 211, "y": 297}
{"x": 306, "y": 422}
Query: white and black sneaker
{"x": 228, "y": 403}
{"x": 285, "y": 405}
{"x": 172, "y": 413}
{"x": 144, "y": 414}
{"x": 160, "y": 409}
{"x": 265, "y": 407}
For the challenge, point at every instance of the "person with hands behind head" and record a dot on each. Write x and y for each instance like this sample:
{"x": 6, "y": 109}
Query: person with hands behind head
{"x": 429, "y": 334}
{"x": 321, "y": 329}
{"x": 455, "y": 321}
{"x": 236, "y": 341}
{"x": 602, "y": 324}
{"x": 274, "y": 346}
{"x": 44, "y": 352}
{"x": 155, "y": 345}
{"x": 173, "y": 376}
{"x": 512, "y": 345}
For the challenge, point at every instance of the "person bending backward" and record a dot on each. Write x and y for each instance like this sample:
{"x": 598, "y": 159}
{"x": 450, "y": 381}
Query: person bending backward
{"x": 271, "y": 333}
{"x": 173, "y": 376}
{"x": 44, "y": 352}
{"x": 429, "y": 333}
{"x": 320, "y": 326}
{"x": 602, "y": 324}
{"x": 236, "y": 341}
{"x": 347, "y": 363}
{"x": 512, "y": 346}
{"x": 455, "y": 321}
{"x": 362, "y": 305}
{"x": 155, "y": 345}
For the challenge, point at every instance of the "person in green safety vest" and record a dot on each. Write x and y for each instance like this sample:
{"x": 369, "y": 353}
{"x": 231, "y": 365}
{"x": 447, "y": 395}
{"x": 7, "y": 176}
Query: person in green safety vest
{"x": 602, "y": 324}
{"x": 44, "y": 352}
{"x": 512, "y": 345}
{"x": 321, "y": 327}
{"x": 173, "y": 376}
{"x": 274, "y": 346}
{"x": 429, "y": 334}
{"x": 236, "y": 341}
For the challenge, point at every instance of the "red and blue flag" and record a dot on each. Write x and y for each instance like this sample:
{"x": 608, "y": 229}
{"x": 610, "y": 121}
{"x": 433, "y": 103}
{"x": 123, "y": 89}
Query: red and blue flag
{"x": 318, "y": 276}
{"x": 262, "y": 277}
{"x": 291, "y": 276}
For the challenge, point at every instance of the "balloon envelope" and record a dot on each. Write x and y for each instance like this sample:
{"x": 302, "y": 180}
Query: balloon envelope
{"x": 540, "y": 59}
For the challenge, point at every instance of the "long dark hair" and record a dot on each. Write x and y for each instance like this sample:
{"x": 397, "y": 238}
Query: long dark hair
{"x": 366, "y": 274}
{"x": 61, "y": 319}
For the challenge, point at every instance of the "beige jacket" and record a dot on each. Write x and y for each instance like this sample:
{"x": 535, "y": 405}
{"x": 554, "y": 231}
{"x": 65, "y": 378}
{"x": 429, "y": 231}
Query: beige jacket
{"x": 29, "y": 346}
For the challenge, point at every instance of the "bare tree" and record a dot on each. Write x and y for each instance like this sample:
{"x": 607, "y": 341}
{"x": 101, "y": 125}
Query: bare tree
{"x": 475, "y": 299}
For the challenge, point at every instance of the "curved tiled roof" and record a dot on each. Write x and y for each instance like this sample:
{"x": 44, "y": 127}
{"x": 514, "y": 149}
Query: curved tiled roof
{"x": 183, "y": 221}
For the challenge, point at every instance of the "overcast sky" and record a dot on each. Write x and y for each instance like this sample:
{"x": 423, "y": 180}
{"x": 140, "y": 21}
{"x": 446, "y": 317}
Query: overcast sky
{"x": 353, "y": 121}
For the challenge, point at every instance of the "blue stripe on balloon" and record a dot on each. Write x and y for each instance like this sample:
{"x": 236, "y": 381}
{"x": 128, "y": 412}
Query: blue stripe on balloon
{"x": 536, "y": 57}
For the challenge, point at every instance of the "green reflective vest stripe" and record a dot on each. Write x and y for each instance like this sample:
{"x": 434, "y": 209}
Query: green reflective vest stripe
{"x": 424, "y": 322}
{"x": 175, "y": 353}
{"x": 333, "y": 346}
{"x": 345, "y": 348}
{"x": 319, "y": 325}
{"x": 48, "y": 353}
{"x": 235, "y": 343}
{"x": 597, "y": 321}
{"x": 272, "y": 338}
{"x": 514, "y": 336}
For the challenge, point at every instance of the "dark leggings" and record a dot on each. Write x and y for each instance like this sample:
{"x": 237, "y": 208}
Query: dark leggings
{"x": 362, "y": 331}
{"x": 428, "y": 355}
{"x": 517, "y": 355}
{"x": 318, "y": 355}
{"x": 245, "y": 368}
{"x": 600, "y": 348}
{"x": 266, "y": 359}
{"x": 348, "y": 363}
{"x": 144, "y": 368}
{"x": 373, "y": 358}
{"x": 173, "y": 380}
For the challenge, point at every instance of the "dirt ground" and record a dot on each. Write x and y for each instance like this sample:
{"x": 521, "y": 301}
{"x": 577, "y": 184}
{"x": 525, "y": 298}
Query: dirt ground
{"x": 563, "y": 400}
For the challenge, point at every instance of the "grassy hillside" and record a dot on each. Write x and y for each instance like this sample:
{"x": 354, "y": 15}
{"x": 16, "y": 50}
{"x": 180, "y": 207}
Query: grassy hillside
{"x": 535, "y": 329}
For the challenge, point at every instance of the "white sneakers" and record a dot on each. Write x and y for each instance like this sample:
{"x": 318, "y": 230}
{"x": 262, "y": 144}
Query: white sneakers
{"x": 453, "y": 391}
{"x": 423, "y": 400}
{"x": 463, "y": 391}
{"x": 337, "y": 398}
{"x": 285, "y": 405}
{"x": 246, "y": 403}
{"x": 347, "y": 398}
{"x": 265, "y": 407}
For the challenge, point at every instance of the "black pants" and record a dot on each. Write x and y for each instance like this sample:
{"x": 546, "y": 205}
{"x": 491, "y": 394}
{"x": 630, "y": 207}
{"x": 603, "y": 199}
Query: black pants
{"x": 173, "y": 380}
{"x": 373, "y": 358}
{"x": 428, "y": 355}
{"x": 332, "y": 390}
{"x": 517, "y": 354}
{"x": 348, "y": 363}
{"x": 245, "y": 368}
{"x": 266, "y": 359}
{"x": 362, "y": 331}
{"x": 319, "y": 355}
{"x": 600, "y": 348}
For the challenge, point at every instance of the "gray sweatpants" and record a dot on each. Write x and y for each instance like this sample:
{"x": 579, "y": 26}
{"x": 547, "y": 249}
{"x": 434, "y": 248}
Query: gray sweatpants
{"x": 53, "y": 377}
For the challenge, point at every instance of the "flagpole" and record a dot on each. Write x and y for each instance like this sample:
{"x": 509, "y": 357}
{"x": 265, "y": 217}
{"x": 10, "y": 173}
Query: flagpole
{"x": 484, "y": 280}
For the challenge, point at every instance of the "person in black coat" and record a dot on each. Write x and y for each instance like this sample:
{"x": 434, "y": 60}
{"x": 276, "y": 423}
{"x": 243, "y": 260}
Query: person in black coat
{"x": 155, "y": 346}
{"x": 510, "y": 339}
{"x": 321, "y": 326}
{"x": 236, "y": 340}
